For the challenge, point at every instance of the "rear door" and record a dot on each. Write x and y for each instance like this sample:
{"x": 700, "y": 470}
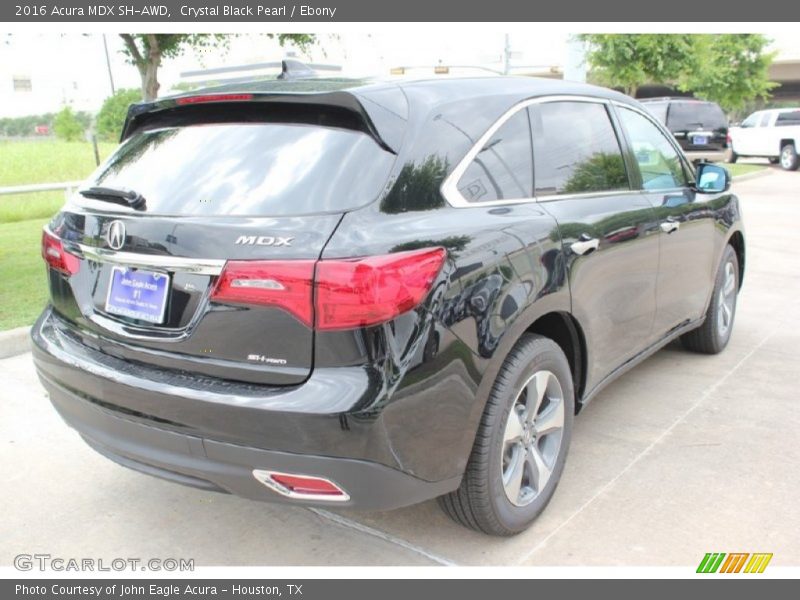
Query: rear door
{"x": 685, "y": 223}
{"x": 607, "y": 229}
{"x": 213, "y": 272}
{"x": 744, "y": 137}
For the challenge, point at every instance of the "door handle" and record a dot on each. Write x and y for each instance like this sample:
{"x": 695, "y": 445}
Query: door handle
{"x": 670, "y": 226}
{"x": 585, "y": 246}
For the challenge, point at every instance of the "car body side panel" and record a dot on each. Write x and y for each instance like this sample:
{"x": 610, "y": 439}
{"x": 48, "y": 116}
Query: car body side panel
{"x": 501, "y": 263}
{"x": 614, "y": 287}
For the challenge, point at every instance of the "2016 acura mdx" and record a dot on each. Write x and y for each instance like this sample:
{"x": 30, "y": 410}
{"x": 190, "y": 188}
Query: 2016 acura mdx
{"x": 372, "y": 294}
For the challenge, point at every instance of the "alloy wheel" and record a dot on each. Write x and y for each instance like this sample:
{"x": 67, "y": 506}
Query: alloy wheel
{"x": 726, "y": 301}
{"x": 532, "y": 438}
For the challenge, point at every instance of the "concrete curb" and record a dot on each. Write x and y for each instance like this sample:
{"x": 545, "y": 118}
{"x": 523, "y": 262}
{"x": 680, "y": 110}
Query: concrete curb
{"x": 15, "y": 341}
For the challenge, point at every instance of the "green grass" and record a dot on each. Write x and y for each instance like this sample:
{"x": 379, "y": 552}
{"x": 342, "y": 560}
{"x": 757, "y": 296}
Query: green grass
{"x": 23, "y": 292}
{"x": 42, "y": 161}
{"x": 47, "y": 161}
{"x": 742, "y": 168}
{"x": 37, "y": 205}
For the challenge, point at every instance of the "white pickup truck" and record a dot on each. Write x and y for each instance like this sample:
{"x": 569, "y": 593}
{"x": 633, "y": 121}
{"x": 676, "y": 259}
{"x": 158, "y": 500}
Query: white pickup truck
{"x": 772, "y": 134}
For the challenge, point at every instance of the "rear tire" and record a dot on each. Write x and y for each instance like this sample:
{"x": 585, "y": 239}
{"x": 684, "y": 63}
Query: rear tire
{"x": 715, "y": 332}
{"x": 520, "y": 448}
{"x": 789, "y": 158}
{"x": 731, "y": 157}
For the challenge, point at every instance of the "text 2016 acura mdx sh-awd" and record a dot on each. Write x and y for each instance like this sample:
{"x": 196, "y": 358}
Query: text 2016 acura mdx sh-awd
{"x": 369, "y": 295}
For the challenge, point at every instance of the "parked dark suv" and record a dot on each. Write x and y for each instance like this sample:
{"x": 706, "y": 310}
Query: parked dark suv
{"x": 700, "y": 127}
{"x": 369, "y": 295}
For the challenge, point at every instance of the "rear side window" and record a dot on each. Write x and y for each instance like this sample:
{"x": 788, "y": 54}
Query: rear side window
{"x": 248, "y": 169}
{"x": 575, "y": 149}
{"x": 786, "y": 119}
{"x": 684, "y": 116}
{"x": 659, "y": 163}
{"x": 503, "y": 169}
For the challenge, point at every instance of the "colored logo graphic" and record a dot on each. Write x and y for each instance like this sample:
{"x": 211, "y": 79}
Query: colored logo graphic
{"x": 735, "y": 562}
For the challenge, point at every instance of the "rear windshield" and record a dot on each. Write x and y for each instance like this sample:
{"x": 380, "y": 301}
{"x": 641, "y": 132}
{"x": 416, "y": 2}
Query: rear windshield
{"x": 247, "y": 169}
{"x": 691, "y": 115}
{"x": 658, "y": 110}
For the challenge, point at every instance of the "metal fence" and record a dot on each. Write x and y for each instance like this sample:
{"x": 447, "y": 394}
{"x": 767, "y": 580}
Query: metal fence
{"x": 68, "y": 186}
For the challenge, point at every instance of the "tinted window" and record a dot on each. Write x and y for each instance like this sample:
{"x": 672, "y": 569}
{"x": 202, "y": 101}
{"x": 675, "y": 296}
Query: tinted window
{"x": 575, "y": 149}
{"x": 502, "y": 170}
{"x": 788, "y": 118}
{"x": 751, "y": 120}
{"x": 692, "y": 115}
{"x": 657, "y": 158}
{"x": 248, "y": 169}
{"x": 658, "y": 110}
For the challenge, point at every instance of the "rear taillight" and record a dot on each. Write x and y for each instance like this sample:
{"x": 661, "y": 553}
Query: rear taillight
{"x": 349, "y": 293}
{"x": 371, "y": 290}
{"x": 56, "y": 257}
{"x": 283, "y": 284}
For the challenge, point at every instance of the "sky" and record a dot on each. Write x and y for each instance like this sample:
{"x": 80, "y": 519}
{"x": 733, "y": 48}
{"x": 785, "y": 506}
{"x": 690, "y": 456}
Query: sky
{"x": 71, "y": 68}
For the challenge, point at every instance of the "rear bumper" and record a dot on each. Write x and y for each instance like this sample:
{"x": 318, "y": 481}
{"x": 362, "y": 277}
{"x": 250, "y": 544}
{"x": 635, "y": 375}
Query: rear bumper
{"x": 107, "y": 403}
{"x": 709, "y": 155}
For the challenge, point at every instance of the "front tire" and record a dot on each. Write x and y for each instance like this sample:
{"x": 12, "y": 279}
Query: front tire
{"x": 715, "y": 332}
{"x": 522, "y": 442}
{"x": 789, "y": 158}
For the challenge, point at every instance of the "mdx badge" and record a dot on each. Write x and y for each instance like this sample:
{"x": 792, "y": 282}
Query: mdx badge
{"x": 115, "y": 236}
{"x": 263, "y": 240}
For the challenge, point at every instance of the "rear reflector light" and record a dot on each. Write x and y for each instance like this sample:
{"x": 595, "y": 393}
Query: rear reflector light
{"x": 350, "y": 293}
{"x": 375, "y": 289}
{"x": 302, "y": 487}
{"x": 56, "y": 257}
{"x": 214, "y": 98}
{"x": 283, "y": 284}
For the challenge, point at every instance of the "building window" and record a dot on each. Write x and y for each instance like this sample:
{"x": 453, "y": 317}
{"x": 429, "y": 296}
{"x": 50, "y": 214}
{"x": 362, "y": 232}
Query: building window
{"x": 22, "y": 84}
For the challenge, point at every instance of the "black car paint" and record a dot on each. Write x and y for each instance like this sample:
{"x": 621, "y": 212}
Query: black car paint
{"x": 407, "y": 394}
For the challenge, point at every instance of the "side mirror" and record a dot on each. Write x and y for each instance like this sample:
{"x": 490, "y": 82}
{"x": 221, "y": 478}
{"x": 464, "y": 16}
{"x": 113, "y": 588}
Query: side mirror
{"x": 712, "y": 179}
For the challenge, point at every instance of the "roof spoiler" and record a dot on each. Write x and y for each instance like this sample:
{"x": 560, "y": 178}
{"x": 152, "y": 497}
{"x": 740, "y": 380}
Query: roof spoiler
{"x": 249, "y": 105}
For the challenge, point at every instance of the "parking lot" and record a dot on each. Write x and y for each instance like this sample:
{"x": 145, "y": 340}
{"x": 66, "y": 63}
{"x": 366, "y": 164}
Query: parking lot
{"x": 686, "y": 454}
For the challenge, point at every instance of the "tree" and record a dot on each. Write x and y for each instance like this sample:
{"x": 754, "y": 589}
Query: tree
{"x": 628, "y": 61}
{"x": 66, "y": 125}
{"x": 146, "y": 50}
{"x": 729, "y": 69}
{"x": 112, "y": 114}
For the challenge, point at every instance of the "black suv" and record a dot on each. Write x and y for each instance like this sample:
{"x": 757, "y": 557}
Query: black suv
{"x": 700, "y": 127}
{"x": 371, "y": 294}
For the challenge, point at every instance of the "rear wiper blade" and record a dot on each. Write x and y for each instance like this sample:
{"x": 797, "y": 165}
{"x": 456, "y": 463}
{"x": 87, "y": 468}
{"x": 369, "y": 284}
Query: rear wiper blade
{"x": 122, "y": 196}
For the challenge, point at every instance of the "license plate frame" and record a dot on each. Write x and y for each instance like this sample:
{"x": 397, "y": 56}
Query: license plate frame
{"x": 138, "y": 294}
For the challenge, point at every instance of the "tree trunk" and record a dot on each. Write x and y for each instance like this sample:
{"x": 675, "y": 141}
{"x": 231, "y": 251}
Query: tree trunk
{"x": 149, "y": 72}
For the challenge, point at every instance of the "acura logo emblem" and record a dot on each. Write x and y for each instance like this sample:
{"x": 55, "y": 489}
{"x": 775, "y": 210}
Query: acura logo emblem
{"x": 115, "y": 236}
